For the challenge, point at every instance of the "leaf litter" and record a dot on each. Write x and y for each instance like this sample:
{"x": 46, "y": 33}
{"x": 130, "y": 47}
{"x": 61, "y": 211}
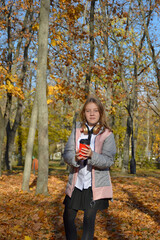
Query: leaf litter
{"x": 133, "y": 214}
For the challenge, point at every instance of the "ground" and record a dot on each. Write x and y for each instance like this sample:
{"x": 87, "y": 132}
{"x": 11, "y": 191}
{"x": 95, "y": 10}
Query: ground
{"x": 134, "y": 213}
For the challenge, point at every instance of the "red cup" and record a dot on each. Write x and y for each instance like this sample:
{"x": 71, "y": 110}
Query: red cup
{"x": 82, "y": 145}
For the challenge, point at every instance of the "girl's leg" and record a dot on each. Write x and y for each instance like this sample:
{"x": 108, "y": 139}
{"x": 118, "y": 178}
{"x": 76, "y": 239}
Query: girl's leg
{"x": 69, "y": 223}
{"x": 88, "y": 224}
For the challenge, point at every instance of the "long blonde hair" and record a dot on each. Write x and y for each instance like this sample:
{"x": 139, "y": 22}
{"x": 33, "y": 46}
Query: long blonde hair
{"x": 102, "y": 120}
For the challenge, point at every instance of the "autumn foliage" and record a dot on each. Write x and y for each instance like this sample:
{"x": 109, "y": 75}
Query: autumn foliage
{"x": 125, "y": 76}
{"x": 124, "y": 71}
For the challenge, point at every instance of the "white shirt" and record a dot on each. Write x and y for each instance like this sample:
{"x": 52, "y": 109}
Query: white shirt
{"x": 84, "y": 174}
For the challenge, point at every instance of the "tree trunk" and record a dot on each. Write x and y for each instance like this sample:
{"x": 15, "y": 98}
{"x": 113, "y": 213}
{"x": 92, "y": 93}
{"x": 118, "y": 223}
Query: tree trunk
{"x": 43, "y": 154}
{"x": 29, "y": 147}
{"x": 8, "y": 143}
{"x": 108, "y": 87}
{"x": 9, "y": 96}
{"x": 147, "y": 151}
{"x": 91, "y": 60}
{"x": 126, "y": 145}
{"x": 3, "y": 122}
{"x": 136, "y": 128}
{"x": 131, "y": 108}
{"x": 20, "y": 143}
{"x": 11, "y": 132}
{"x": 2, "y": 133}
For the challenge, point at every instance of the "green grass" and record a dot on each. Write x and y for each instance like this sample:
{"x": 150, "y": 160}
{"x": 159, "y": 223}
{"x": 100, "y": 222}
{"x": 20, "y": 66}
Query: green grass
{"x": 141, "y": 172}
{"x": 56, "y": 168}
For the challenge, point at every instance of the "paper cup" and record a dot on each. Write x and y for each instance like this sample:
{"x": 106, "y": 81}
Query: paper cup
{"x": 82, "y": 145}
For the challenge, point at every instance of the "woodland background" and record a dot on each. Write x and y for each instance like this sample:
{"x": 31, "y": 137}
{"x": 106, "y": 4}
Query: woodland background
{"x": 52, "y": 55}
{"x": 110, "y": 48}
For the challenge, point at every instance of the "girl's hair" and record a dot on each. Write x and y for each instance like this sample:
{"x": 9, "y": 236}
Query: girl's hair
{"x": 103, "y": 119}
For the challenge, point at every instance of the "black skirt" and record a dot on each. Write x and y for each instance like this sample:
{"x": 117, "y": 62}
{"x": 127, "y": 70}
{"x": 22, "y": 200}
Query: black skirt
{"x": 81, "y": 200}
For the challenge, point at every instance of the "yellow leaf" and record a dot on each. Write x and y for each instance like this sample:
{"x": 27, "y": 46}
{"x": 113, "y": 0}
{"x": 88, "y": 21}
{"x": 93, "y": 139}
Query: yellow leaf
{"x": 18, "y": 228}
{"x": 27, "y": 238}
{"x": 49, "y": 101}
{"x": 35, "y": 27}
{"x": 54, "y": 43}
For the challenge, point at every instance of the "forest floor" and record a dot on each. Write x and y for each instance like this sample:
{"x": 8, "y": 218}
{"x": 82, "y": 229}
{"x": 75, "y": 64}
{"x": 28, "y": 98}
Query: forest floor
{"x": 134, "y": 213}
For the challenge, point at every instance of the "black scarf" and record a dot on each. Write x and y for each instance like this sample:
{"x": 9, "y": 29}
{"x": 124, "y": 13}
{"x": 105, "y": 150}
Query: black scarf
{"x": 87, "y": 141}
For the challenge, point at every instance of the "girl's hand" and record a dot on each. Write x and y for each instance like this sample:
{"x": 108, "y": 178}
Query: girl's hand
{"x": 78, "y": 157}
{"x": 85, "y": 153}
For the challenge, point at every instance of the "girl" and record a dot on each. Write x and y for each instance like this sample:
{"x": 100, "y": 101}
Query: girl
{"x": 89, "y": 187}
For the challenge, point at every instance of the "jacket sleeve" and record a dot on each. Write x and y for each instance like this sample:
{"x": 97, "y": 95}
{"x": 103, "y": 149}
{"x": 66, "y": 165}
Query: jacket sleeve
{"x": 106, "y": 158}
{"x": 69, "y": 151}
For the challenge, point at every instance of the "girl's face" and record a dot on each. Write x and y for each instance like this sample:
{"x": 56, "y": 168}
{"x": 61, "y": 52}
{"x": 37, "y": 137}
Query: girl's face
{"x": 92, "y": 114}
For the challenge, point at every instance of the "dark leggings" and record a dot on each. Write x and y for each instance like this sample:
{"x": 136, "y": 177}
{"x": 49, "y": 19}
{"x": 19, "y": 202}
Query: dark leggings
{"x": 88, "y": 223}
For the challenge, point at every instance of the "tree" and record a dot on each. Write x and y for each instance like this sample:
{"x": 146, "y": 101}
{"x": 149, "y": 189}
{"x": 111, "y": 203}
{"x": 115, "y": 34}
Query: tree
{"x": 97, "y": 41}
{"x": 152, "y": 50}
{"x": 17, "y": 21}
{"x": 42, "y": 181}
{"x": 29, "y": 147}
{"x": 2, "y": 133}
{"x": 92, "y": 48}
{"x": 11, "y": 81}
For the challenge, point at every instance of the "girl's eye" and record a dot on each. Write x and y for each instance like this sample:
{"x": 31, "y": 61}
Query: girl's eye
{"x": 88, "y": 111}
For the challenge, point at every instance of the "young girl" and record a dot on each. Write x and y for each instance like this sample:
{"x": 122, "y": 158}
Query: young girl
{"x": 89, "y": 187}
